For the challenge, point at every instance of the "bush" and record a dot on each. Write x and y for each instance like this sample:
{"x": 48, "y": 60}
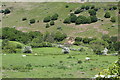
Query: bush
{"x": 83, "y": 7}
{"x": 7, "y": 11}
{"x": 47, "y": 19}
{"x": 54, "y": 17}
{"x": 93, "y": 6}
{"x": 107, "y": 15}
{"x": 113, "y": 19}
{"x": 87, "y": 7}
{"x": 23, "y": 19}
{"x": 114, "y": 7}
{"x": 66, "y": 6}
{"x": 92, "y": 12}
{"x": 19, "y": 46}
{"x": 78, "y": 21}
{"x": 67, "y": 20}
{"x": 52, "y": 23}
{"x": 77, "y": 43}
{"x": 78, "y": 11}
{"x": 94, "y": 18}
{"x": 32, "y": 21}
{"x": 73, "y": 18}
{"x": 86, "y": 40}
{"x": 79, "y": 61}
{"x": 27, "y": 49}
{"x": 106, "y": 38}
{"x": 96, "y": 9}
{"x": 78, "y": 39}
{"x": 59, "y": 36}
{"x": 47, "y": 25}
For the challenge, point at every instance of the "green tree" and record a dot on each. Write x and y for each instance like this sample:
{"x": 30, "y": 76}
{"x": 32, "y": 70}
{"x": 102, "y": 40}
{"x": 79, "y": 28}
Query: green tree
{"x": 7, "y": 11}
{"x": 107, "y": 15}
{"x": 78, "y": 39}
{"x": 113, "y": 19}
{"x": 59, "y": 36}
{"x": 93, "y": 6}
{"x": 54, "y": 17}
{"x": 32, "y": 21}
{"x": 47, "y": 25}
{"x": 114, "y": 7}
{"x": 67, "y": 20}
{"x": 83, "y": 7}
{"x": 78, "y": 11}
{"x": 92, "y": 12}
{"x": 52, "y": 23}
{"x": 93, "y": 18}
{"x": 73, "y": 18}
{"x": 47, "y": 19}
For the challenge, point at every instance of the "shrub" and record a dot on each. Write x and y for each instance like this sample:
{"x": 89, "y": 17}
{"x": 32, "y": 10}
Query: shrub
{"x": 86, "y": 40}
{"x": 78, "y": 21}
{"x": 47, "y": 19}
{"x": 54, "y": 17}
{"x": 78, "y": 11}
{"x": 93, "y": 6}
{"x": 77, "y": 43}
{"x": 67, "y": 20}
{"x": 23, "y": 19}
{"x": 88, "y": 20}
{"x": 107, "y": 15}
{"x": 47, "y": 25}
{"x": 59, "y": 36}
{"x": 114, "y": 7}
{"x": 96, "y": 9}
{"x": 113, "y": 38}
{"x": 94, "y": 18}
{"x": 113, "y": 19}
{"x": 106, "y": 38}
{"x": 19, "y": 46}
{"x": 32, "y": 21}
{"x": 66, "y": 6}
{"x": 78, "y": 39}
{"x": 87, "y": 7}
{"x": 7, "y": 11}
{"x": 27, "y": 49}
{"x": 52, "y": 23}
{"x": 92, "y": 12}
{"x": 73, "y": 18}
{"x": 79, "y": 61}
{"x": 83, "y": 7}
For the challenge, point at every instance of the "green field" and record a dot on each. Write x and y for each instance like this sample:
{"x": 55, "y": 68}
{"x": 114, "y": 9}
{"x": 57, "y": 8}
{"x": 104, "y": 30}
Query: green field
{"x": 52, "y": 63}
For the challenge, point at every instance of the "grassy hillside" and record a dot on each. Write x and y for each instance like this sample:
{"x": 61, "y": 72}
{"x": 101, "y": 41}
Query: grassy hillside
{"x": 39, "y": 11}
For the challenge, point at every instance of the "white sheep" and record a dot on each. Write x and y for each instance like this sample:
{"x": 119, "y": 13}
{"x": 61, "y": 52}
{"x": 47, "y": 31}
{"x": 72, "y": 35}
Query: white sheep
{"x": 23, "y": 55}
{"x": 87, "y": 58}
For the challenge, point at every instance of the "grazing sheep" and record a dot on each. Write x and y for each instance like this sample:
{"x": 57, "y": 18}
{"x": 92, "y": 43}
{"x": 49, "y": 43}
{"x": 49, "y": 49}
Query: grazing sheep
{"x": 4, "y": 54}
{"x": 36, "y": 54}
{"x": 66, "y": 50}
{"x": 87, "y": 58}
{"x": 23, "y": 55}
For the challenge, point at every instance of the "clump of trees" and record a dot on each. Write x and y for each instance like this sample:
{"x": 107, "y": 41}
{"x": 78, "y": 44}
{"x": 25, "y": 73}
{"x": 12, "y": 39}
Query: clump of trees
{"x": 32, "y": 38}
{"x": 6, "y": 11}
{"x": 50, "y": 20}
{"x": 80, "y": 19}
{"x": 111, "y": 43}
